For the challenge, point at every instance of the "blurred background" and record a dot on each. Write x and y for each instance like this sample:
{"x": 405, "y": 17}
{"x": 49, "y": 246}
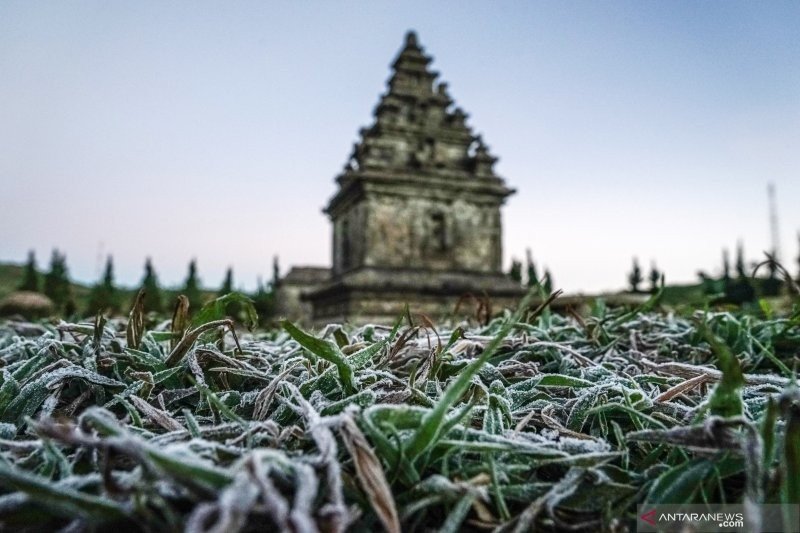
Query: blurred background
{"x": 213, "y": 132}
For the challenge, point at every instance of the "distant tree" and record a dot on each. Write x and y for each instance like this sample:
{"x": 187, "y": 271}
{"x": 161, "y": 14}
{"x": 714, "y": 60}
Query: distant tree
{"x": 153, "y": 300}
{"x": 741, "y": 269}
{"x": 726, "y": 264}
{"x": 772, "y": 285}
{"x": 547, "y": 282}
{"x": 30, "y": 280}
{"x": 266, "y": 293}
{"x": 740, "y": 290}
{"x": 655, "y": 277}
{"x": 635, "y": 277}
{"x": 56, "y": 282}
{"x": 276, "y": 272}
{"x": 191, "y": 288}
{"x": 227, "y": 283}
{"x": 233, "y": 309}
{"x": 530, "y": 267}
{"x": 516, "y": 271}
{"x": 103, "y": 296}
{"x": 264, "y": 302}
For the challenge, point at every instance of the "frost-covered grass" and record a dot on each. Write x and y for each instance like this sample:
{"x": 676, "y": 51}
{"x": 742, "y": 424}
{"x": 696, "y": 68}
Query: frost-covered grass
{"x": 534, "y": 420}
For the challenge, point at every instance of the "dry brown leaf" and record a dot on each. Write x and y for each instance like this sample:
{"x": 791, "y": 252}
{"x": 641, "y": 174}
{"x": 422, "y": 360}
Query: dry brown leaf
{"x": 135, "y": 327}
{"x": 191, "y": 336}
{"x": 682, "y": 387}
{"x": 157, "y": 416}
{"x": 180, "y": 320}
{"x": 370, "y": 475}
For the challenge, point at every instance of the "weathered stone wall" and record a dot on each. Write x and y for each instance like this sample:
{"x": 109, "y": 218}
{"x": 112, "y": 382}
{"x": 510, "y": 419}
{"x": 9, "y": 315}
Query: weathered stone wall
{"x": 365, "y": 307}
{"x": 434, "y": 234}
{"x": 349, "y": 246}
{"x": 290, "y": 291}
{"x": 289, "y": 305}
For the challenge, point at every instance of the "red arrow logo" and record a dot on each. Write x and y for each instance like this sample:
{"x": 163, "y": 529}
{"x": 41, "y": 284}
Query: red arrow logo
{"x": 649, "y": 517}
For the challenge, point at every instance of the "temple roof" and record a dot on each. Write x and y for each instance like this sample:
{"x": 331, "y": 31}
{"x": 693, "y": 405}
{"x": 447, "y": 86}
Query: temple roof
{"x": 304, "y": 275}
{"x": 418, "y": 129}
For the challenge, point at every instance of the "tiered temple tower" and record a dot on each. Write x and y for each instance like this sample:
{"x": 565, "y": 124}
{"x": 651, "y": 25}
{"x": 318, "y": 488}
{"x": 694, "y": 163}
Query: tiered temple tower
{"x": 416, "y": 218}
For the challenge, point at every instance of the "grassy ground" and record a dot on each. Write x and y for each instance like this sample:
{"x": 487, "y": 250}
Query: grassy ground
{"x": 535, "y": 420}
{"x": 691, "y": 294}
{"x": 11, "y": 278}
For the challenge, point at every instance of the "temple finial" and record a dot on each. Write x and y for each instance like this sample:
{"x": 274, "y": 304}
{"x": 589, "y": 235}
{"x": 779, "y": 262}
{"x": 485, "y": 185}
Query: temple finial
{"x": 411, "y": 38}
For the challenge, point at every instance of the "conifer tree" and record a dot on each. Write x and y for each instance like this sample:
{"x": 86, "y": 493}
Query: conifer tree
{"x": 655, "y": 277}
{"x": 772, "y": 285}
{"x": 227, "y": 283}
{"x": 103, "y": 297}
{"x": 741, "y": 290}
{"x": 547, "y": 283}
{"x": 153, "y": 301}
{"x": 635, "y": 277}
{"x": 741, "y": 269}
{"x": 276, "y": 272}
{"x": 263, "y": 301}
{"x": 533, "y": 278}
{"x": 56, "y": 281}
{"x": 726, "y": 265}
{"x": 191, "y": 288}
{"x": 516, "y": 271}
{"x": 233, "y": 309}
{"x": 30, "y": 280}
{"x": 798, "y": 260}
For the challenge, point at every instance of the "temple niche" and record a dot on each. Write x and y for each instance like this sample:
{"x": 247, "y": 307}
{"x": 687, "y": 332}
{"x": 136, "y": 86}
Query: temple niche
{"x": 416, "y": 218}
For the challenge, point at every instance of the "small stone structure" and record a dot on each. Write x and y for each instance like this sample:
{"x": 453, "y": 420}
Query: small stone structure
{"x": 293, "y": 286}
{"x": 416, "y": 218}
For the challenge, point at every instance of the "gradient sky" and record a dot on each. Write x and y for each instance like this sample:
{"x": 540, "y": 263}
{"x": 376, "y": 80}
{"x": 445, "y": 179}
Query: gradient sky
{"x": 214, "y": 130}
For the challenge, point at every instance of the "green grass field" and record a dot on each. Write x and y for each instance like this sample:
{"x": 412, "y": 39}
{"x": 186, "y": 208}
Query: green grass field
{"x": 534, "y": 421}
{"x": 10, "y": 278}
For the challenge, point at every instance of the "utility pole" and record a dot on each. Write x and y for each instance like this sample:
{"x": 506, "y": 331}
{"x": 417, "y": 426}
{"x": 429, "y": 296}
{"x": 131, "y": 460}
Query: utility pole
{"x": 773, "y": 222}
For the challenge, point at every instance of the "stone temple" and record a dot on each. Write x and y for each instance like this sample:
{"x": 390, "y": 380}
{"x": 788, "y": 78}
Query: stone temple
{"x": 416, "y": 218}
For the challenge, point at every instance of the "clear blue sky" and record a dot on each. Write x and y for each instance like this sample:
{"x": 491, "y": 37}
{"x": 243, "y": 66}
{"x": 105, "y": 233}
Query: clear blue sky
{"x": 214, "y": 130}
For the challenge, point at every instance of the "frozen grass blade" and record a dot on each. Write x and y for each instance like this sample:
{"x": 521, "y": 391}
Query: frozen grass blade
{"x": 370, "y": 475}
{"x": 324, "y": 350}
{"x": 135, "y": 327}
{"x": 61, "y": 499}
{"x": 185, "y": 344}
{"x": 527, "y": 422}
{"x": 430, "y": 428}
{"x": 180, "y": 320}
